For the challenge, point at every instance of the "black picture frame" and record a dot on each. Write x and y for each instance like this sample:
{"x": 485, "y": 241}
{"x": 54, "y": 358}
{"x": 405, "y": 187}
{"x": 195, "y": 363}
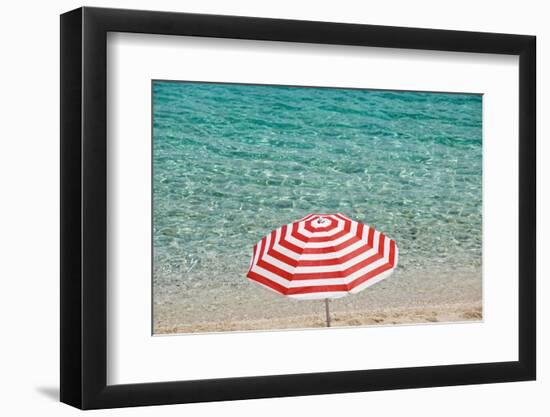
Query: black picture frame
{"x": 84, "y": 207}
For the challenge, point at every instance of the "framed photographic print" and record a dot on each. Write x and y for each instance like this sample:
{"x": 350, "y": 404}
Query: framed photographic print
{"x": 257, "y": 207}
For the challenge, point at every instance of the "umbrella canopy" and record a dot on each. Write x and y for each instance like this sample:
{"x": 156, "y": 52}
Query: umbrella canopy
{"x": 322, "y": 256}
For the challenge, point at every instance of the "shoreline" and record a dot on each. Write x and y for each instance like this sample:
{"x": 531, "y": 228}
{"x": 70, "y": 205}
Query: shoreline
{"x": 460, "y": 312}
{"x": 419, "y": 296}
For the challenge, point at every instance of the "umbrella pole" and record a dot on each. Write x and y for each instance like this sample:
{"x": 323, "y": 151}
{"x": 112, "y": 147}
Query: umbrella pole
{"x": 327, "y": 312}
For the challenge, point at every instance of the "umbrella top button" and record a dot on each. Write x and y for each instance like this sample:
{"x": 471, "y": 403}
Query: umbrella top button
{"x": 321, "y": 220}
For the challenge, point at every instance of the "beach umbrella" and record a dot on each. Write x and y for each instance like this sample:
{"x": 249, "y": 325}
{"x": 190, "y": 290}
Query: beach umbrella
{"x": 321, "y": 257}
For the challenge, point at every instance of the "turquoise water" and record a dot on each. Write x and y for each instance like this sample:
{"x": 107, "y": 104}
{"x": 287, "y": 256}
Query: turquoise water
{"x": 233, "y": 162}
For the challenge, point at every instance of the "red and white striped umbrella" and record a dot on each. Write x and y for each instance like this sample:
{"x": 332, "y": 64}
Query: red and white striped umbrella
{"x": 322, "y": 256}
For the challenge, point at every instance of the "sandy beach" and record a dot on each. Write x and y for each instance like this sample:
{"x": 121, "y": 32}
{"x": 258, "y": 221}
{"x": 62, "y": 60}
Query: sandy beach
{"x": 435, "y": 314}
{"x": 413, "y": 297}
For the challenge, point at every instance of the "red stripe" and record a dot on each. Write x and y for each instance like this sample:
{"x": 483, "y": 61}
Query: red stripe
{"x": 340, "y": 246}
{"x": 296, "y": 234}
{"x": 286, "y": 244}
{"x": 299, "y": 236}
{"x": 335, "y": 261}
{"x": 330, "y": 249}
{"x": 332, "y": 226}
{"x": 261, "y": 248}
{"x": 346, "y": 230}
{"x": 377, "y": 271}
{"x": 253, "y": 256}
{"x": 292, "y": 291}
{"x": 343, "y": 287}
{"x": 272, "y": 240}
{"x": 309, "y": 227}
{"x": 327, "y": 288}
{"x": 369, "y": 244}
{"x": 392, "y": 252}
{"x": 269, "y": 267}
{"x": 346, "y": 272}
{"x": 282, "y": 257}
{"x": 315, "y": 289}
{"x": 274, "y": 269}
{"x": 370, "y": 237}
{"x": 262, "y": 263}
{"x": 324, "y": 275}
{"x": 267, "y": 282}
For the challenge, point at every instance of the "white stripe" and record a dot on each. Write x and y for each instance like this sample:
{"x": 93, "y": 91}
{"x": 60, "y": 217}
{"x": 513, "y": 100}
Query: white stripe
{"x": 265, "y": 286}
{"x": 290, "y": 239}
{"x": 322, "y": 268}
{"x": 322, "y": 281}
{"x": 372, "y": 281}
{"x": 344, "y": 265}
{"x": 335, "y": 242}
{"x": 279, "y": 264}
{"x": 303, "y": 231}
{"x": 339, "y": 294}
{"x": 340, "y": 281}
{"x": 330, "y": 243}
{"x": 271, "y": 276}
{"x": 339, "y": 227}
{"x": 334, "y": 294}
{"x": 320, "y": 256}
{"x": 315, "y": 222}
{"x": 257, "y": 254}
{"x": 363, "y": 240}
{"x": 319, "y": 295}
{"x": 283, "y": 250}
{"x": 344, "y": 280}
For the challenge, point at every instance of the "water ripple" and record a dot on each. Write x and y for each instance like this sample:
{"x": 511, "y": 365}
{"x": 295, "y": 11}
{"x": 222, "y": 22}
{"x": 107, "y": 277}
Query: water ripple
{"x": 233, "y": 162}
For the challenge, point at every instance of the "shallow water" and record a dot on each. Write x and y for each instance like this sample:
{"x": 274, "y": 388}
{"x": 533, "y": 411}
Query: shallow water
{"x": 233, "y": 162}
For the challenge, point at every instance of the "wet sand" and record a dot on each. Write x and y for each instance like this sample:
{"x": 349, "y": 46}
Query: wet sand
{"x": 407, "y": 297}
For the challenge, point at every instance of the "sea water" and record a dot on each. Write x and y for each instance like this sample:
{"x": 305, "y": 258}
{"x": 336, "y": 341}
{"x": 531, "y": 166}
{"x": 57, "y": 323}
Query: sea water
{"x": 232, "y": 162}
